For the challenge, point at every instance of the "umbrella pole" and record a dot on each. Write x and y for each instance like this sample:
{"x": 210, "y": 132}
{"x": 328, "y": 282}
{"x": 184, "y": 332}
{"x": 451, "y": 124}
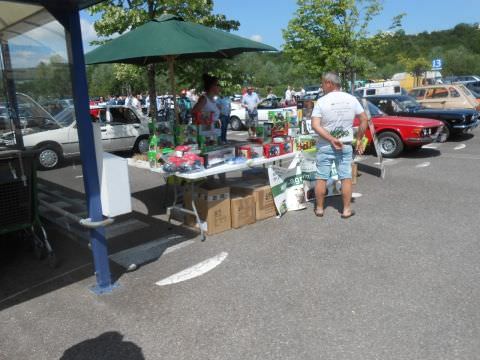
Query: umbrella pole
{"x": 171, "y": 75}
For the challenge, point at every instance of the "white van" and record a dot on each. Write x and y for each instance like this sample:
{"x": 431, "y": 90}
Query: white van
{"x": 380, "y": 88}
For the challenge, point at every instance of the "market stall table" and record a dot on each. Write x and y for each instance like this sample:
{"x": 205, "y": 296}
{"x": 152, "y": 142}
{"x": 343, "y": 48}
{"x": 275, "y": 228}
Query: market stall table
{"x": 192, "y": 177}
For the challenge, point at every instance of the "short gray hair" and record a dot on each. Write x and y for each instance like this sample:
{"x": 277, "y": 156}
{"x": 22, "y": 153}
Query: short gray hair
{"x": 333, "y": 78}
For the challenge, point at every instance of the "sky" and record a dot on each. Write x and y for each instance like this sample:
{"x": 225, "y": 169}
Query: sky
{"x": 263, "y": 20}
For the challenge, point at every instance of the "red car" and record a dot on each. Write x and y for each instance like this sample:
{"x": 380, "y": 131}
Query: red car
{"x": 396, "y": 133}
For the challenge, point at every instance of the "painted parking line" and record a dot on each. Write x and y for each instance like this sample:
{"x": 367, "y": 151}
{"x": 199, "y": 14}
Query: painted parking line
{"x": 423, "y": 165}
{"x": 388, "y": 162}
{"x": 460, "y": 147}
{"x": 178, "y": 246}
{"x": 194, "y": 271}
{"x": 431, "y": 146}
{"x": 356, "y": 195}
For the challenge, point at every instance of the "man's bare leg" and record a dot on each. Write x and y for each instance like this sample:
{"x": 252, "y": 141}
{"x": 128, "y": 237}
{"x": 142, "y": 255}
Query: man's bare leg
{"x": 320, "y": 192}
{"x": 347, "y": 196}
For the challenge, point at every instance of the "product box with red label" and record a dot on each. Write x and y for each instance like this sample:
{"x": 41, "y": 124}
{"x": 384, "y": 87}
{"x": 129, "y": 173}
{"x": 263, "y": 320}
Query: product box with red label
{"x": 272, "y": 150}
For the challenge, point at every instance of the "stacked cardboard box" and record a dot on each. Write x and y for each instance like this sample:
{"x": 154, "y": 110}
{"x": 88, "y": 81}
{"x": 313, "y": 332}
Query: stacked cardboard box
{"x": 261, "y": 193}
{"x": 213, "y": 206}
{"x": 242, "y": 210}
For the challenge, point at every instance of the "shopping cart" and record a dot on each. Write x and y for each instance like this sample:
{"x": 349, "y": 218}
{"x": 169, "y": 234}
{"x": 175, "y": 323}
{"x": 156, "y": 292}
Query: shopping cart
{"x": 19, "y": 203}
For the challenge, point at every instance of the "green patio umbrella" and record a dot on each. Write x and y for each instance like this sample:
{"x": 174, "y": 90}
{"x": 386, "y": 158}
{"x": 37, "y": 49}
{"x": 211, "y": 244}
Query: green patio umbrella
{"x": 169, "y": 38}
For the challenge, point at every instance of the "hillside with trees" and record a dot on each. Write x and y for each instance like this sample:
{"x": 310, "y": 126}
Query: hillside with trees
{"x": 459, "y": 48}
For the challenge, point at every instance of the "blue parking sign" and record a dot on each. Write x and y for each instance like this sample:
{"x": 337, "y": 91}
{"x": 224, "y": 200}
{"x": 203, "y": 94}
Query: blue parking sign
{"x": 437, "y": 64}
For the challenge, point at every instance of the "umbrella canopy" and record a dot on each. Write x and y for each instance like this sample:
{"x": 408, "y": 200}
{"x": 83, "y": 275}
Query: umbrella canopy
{"x": 170, "y": 36}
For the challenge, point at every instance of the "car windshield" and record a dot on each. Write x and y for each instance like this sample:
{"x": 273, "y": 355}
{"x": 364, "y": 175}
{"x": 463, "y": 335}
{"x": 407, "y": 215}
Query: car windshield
{"x": 466, "y": 91}
{"x": 374, "y": 111}
{"x": 409, "y": 103}
{"x": 66, "y": 117}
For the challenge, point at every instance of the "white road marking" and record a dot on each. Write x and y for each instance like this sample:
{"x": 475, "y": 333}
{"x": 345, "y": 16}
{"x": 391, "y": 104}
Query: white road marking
{"x": 460, "y": 147}
{"x": 430, "y": 146}
{"x": 178, "y": 246}
{"x": 356, "y": 195}
{"x": 387, "y": 162}
{"x": 194, "y": 271}
{"x": 422, "y": 165}
{"x": 78, "y": 176}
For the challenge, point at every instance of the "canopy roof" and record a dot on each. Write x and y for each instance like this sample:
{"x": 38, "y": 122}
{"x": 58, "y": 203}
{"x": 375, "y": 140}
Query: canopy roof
{"x": 171, "y": 36}
{"x": 18, "y": 16}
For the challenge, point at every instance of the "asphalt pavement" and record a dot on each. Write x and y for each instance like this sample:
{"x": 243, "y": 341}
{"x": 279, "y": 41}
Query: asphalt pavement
{"x": 399, "y": 280}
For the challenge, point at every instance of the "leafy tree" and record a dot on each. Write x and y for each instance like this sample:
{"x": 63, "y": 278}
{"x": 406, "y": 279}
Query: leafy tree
{"x": 331, "y": 35}
{"x": 118, "y": 16}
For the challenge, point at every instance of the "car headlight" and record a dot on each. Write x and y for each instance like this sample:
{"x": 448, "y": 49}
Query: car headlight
{"x": 426, "y": 132}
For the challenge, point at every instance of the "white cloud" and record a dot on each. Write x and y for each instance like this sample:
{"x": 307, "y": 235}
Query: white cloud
{"x": 88, "y": 34}
{"x": 256, "y": 37}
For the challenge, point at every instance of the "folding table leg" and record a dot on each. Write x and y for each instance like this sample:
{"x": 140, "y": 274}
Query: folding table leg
{"x": 194, "y": 208}
{"x": 175, "y": 197}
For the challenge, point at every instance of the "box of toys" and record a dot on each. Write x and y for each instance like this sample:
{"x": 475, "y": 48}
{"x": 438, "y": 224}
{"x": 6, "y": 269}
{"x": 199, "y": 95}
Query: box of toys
{"x": 186, "y": 134}
{"x": 272, "y": 150}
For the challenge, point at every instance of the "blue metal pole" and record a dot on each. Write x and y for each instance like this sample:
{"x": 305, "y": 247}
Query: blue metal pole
{"x": 87, "y": 150}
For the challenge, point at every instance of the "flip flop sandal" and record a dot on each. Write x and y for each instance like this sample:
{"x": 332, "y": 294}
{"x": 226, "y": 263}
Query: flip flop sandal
{"x": 348, "y": 216}
{"x": 316, "y": 213}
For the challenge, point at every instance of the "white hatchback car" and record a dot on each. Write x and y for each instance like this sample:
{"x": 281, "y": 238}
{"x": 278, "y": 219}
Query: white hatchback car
{"x": 238, "y": 115}
{"x": 55, "y": 138}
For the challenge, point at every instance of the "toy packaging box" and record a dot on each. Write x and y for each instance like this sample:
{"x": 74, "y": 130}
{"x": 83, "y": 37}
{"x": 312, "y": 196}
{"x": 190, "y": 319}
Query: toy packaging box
{"x": 257, "y": 151}
{"x": 272, "y": 150}
{"x": 186, "y": 134}
{"x": 218, "y": 157}
{"x": 280, "y": 122}
{"x": 244, "y": 151}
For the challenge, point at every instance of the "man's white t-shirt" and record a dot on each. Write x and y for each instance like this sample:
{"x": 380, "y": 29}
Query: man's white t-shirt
{"x": 288, "y": 95}
{"x": 336, "y": 111}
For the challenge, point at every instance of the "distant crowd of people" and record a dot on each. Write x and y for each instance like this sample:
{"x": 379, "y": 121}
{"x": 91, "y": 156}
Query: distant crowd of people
{"x": 213, "y": 99}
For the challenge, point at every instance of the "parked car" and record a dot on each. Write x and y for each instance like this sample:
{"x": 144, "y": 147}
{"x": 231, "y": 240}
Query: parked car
{"x": 379, "y": 88}
{"x": 455, "y": 121}
{"x": 56, "y": 138}
{"x": 396, "y": 133}
{"x": 473, "y": 86}
{"x": 238, "y": 116}
{"x": 462, "y": 78}
{"x": 313, "y": 91}
{"x": 453, "y": 96}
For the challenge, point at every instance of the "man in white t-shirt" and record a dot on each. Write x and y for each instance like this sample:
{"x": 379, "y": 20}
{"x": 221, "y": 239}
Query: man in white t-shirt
{"x": 288, "y": 95}
{"x": 250, "y": 102}
{"x": 332, "y": 120}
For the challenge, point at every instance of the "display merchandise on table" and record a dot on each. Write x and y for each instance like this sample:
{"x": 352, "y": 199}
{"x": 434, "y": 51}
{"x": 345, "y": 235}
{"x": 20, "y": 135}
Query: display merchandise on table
{"x": 197, "y": 155}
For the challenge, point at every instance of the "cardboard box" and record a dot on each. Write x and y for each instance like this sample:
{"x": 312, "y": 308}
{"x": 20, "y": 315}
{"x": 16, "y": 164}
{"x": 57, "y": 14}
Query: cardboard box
{"x": 213, "y": 206}
{"x": 242, "y": 210}
{"x": 264, "y": 204}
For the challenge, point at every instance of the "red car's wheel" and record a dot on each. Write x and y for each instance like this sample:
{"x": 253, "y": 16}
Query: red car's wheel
{"x": 391, "y": 145}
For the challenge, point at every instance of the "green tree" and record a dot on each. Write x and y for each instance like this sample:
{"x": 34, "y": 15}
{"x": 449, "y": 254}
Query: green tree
{"x": 118, "y": 16}
{"x": 331, "y": 35}
{"x": 416, "y": 66}
{"x": 460, "y": 61}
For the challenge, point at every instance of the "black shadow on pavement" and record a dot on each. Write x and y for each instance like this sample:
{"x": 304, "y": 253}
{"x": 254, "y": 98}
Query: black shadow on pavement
{"x": 421, "y": 153}
{"x": 370, "y": 169}
{"x": 461, "y": 137}
{"x": 107, "y": 346}
{"x": 22, "y": 277}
